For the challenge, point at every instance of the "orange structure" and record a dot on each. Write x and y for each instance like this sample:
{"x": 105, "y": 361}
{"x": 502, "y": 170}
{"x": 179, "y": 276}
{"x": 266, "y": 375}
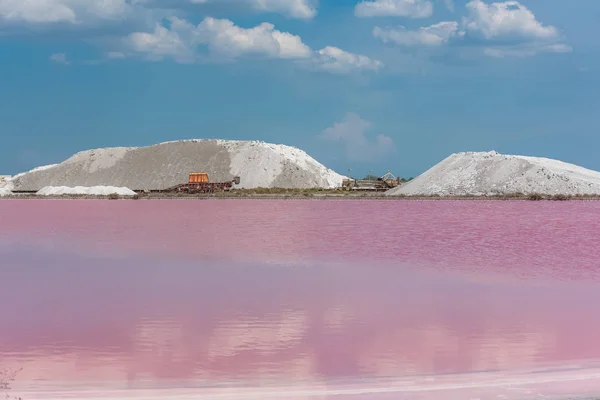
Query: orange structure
{"x": 198, "y": 177}
{"x": 198, "y": 183}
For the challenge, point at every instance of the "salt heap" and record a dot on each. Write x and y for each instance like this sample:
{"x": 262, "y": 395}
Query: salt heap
{"x": 80, "y": 190}
{"x": 491, "y": 173}
{"x": 258, "y": 164}
{"x": 5, "y": 192}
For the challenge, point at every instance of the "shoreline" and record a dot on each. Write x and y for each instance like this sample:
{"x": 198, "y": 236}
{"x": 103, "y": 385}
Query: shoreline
{"x": 306, "y": 194}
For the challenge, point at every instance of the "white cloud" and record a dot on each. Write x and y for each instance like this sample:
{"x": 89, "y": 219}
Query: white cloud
{"x": 434, "y": 35}
{"x": 505, "y": 20}
{"x": 351, "y": 132}
{"x": 224, "y": 37}
{"x": 62, "y": 11}
{"x": 60, "y": 58}
{"x": 82, "y": 12}
{"x": 502, "y": 29}
{"x": 511, "y": 29}
{"x": 226, "y": 40}
{"x": 161, "y": 43}
{"x": 335, "y": 60}
{"x": 394, "y": 8}
{"x": 300, "y": 9}
{"x": 221, "y": 36}
{"x": 36, "y": 11}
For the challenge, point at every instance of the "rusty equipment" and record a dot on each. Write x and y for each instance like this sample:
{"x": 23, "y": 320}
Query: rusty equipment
{"x": 386, "y": 182}
{"x": 389, "y": 180}
{"x": 198, "y": 182}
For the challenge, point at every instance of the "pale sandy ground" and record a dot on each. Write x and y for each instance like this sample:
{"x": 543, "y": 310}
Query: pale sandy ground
{"x": 82, "y": 190}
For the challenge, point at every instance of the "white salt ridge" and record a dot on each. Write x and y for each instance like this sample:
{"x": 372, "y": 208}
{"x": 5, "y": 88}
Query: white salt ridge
{"x": 491, "y": 173}
{"x": 99, "y": 159}
{"x": 36, "y": 169}
{"x": 262, "y": 163}
{"x": 81, "y": 190}
{"x": 9, "y": 183}
{"x": 258, "y": 164}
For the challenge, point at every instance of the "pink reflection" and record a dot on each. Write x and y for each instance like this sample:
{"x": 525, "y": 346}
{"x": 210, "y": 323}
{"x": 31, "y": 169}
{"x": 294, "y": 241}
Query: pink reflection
{"x": 142, "y": 296}
{"x": 474, "y": 235}
{"x": 139, "y": 323}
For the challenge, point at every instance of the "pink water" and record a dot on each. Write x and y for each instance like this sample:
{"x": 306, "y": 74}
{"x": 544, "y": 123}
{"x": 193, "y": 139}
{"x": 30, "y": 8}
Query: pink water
{"x": 300, "y": 299}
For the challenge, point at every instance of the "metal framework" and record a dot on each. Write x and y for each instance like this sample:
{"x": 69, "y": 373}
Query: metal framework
{"x": 199, "y": 183}
{"x": 201, "y": 187}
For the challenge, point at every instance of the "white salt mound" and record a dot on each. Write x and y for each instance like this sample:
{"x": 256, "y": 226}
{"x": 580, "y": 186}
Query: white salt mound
{"x": 491, "y": 173}
{"x": 5, "y": 192}
{"x": 258, "y": 164}
{"x": 81, "y": 190}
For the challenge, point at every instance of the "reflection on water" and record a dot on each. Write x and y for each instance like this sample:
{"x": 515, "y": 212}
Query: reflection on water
{"x": 194, "y": 325}
{"x": 137, "y": 324}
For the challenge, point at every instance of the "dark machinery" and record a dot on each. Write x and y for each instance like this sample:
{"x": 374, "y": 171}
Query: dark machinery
{"x": 198, "y": 182}
{"x": 386, "y": 182}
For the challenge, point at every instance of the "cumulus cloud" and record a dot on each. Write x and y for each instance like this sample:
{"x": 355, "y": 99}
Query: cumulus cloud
{"x": 503, "y": 29}
{"x": 505, "y": 20}
{"x": 394, "y": 8}
{"x": 159, "y": 44}
{"x": 351, "y": 133}
{"x": 63, "y": 11}
{"x": 36, "y": 11}
{"x": 434, "y": 35}
{"x": 300, "y": 9}
{"x": 335, "y": 60}
{"x": 511, "y": 29}
{"x": 85, "y": 12}
{"x": 224, "y": 39}
{"x": 221, "y": 37}
{"x": 60, "y": 58}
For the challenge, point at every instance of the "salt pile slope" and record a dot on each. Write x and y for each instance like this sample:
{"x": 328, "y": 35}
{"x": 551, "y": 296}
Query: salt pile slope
{"x": 258, "y": 164}
{"x": 81, "y": 190}
{"x": 5, "y": 192}
{"x": 491, "y": 173}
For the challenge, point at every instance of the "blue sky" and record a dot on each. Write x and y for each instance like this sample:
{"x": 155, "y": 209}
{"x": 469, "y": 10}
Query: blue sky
{"x": 374, "y": 85}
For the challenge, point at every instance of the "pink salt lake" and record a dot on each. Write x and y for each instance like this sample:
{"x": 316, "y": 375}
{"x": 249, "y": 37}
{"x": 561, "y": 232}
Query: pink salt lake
{"x": 300, "y": 299}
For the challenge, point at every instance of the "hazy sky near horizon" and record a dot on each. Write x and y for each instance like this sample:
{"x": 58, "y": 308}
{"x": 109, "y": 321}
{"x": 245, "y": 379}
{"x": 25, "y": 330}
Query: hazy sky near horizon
{"x": 367, "y": 85}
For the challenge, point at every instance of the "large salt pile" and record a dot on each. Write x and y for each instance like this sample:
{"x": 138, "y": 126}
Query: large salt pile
{"x": 258, "y": 164}
{"x": 81, "y": 190}
{"x": 491, "y": 173}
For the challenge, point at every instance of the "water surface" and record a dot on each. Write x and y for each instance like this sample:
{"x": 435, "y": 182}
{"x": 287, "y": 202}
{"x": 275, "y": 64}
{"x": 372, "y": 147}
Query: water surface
{"x": 304, "y": 299}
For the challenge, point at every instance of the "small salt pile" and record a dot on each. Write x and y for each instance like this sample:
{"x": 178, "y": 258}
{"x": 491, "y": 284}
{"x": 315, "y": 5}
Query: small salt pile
{"x": 82, "y": 190}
